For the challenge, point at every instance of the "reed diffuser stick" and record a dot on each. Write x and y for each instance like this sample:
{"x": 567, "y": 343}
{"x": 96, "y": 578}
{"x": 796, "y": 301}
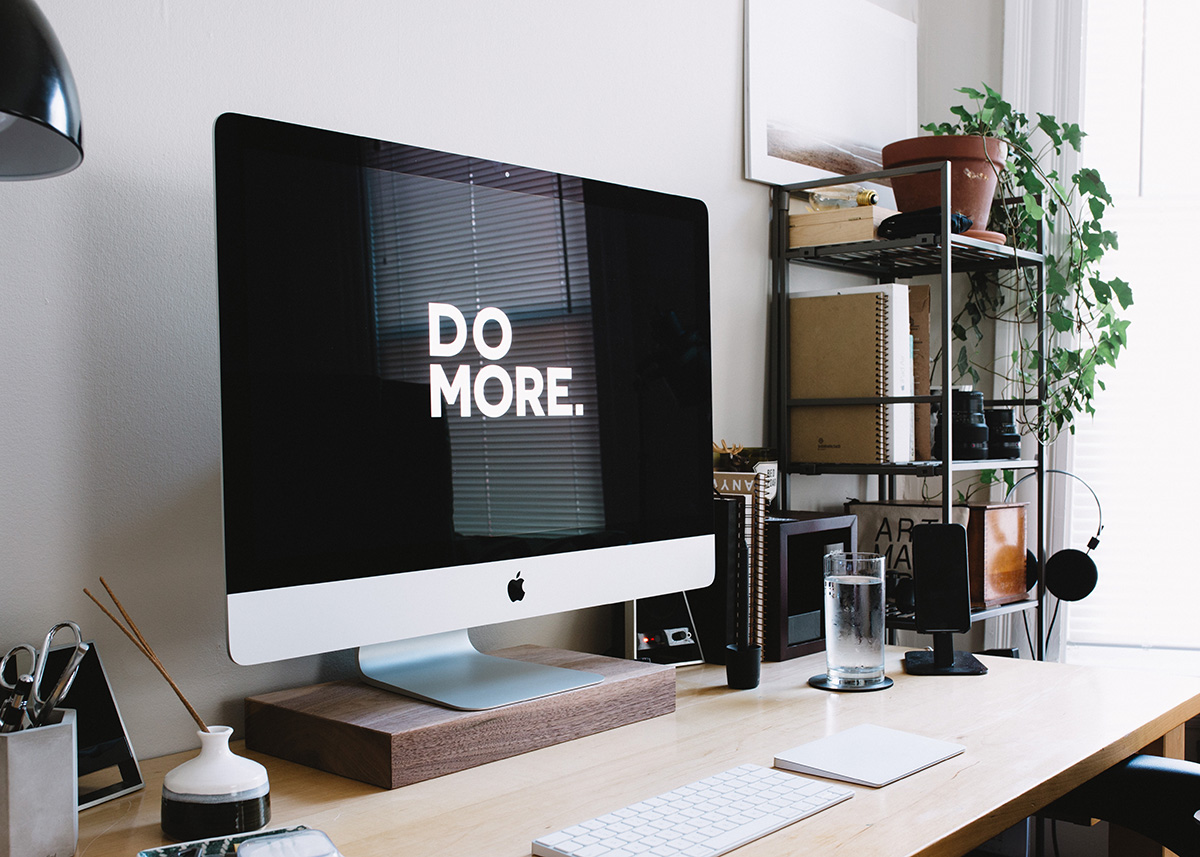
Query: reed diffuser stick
{"x": 135, "y": 636}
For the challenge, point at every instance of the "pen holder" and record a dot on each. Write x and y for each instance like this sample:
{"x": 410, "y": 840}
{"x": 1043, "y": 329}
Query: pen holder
{"x": 216, "y": 793}
{"x": 742, "y": 666}
{"x": 38, "y": 786}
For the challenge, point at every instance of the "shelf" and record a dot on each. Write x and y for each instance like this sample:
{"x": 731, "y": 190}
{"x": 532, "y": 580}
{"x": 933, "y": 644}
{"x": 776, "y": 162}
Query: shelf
{"x": 915, "y": 468}
{"x": 938, "y": 255}
{"x": 907, "y": 623}
{"x": 911, "y": 257}
{"x": 993, "y": 464}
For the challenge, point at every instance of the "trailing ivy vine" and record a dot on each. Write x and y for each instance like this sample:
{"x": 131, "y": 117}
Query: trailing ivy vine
{"x": 1086, "y": 330}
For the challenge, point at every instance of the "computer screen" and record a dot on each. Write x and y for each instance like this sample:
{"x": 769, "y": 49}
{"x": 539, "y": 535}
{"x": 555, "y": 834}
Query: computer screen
{"x": 454, "y": 392}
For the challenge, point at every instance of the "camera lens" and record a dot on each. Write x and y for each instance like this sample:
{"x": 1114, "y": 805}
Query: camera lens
{"x": 1003, "y": 439}
{"x": 969, "y": 429}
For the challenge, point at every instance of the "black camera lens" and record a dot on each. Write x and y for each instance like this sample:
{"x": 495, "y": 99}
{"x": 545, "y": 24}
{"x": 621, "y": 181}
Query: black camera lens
{"x": 969, "y": 429}
{"x": 1004, "y": 441}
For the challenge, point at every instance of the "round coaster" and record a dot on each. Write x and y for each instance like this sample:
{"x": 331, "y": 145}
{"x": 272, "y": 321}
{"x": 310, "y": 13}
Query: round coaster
{"x": 823, "y": 683}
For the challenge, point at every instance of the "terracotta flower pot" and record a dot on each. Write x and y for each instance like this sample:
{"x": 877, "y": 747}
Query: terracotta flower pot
{"x": 973, "y": 176}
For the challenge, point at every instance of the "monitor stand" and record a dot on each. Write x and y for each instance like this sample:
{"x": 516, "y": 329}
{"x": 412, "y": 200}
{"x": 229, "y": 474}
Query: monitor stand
{"x": 448, "y": 670}
{"x": 943, "y": 660}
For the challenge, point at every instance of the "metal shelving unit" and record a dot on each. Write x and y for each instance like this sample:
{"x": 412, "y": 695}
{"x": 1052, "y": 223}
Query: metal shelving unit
{"x": 939, "y": 254}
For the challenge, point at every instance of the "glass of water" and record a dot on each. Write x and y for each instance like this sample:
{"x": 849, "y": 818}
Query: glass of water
{"x": 853, "y": 623}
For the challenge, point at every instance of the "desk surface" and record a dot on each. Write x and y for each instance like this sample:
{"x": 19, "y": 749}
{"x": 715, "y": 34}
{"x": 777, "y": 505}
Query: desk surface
{"x": 1032, "y": 732}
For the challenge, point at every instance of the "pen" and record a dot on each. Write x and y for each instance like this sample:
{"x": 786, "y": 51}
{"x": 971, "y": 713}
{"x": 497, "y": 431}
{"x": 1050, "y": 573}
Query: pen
{"x": 12, "y": 715}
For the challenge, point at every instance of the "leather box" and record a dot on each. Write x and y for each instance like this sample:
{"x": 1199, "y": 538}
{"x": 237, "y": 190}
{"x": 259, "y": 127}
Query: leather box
{"x": 996, "y": 554}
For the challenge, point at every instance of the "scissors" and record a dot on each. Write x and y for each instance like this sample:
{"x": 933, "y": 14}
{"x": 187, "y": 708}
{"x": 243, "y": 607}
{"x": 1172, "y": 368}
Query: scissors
{"x": 44, "y": 704}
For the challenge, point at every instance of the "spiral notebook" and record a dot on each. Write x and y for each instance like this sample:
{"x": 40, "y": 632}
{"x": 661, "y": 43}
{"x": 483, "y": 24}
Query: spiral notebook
{"x": 849, "y": 343}
{"x": 867, "y": 755}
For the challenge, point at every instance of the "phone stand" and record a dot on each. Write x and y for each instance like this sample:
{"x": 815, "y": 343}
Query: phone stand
{"x": 943, "y": 660}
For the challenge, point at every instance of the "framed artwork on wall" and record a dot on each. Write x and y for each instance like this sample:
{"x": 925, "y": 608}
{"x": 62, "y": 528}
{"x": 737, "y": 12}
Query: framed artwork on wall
{"x": 827, "y": 86}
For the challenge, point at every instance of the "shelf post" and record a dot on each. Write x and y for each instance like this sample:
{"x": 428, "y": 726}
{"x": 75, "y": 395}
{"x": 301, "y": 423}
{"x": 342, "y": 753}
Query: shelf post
{"x": 945, "y": 418}
{"x": 778, "y": 364}
{"x": 1043, "y": 392}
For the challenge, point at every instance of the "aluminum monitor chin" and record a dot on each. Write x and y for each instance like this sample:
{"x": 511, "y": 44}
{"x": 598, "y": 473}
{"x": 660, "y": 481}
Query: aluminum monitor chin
{"x": 454, "y": 392}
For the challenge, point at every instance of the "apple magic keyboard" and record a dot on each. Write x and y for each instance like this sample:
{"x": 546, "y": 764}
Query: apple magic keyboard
{"x": 702, "y": 819}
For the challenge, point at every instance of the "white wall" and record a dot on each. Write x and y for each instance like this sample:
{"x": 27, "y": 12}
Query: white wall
{"x": 109, "y": 436}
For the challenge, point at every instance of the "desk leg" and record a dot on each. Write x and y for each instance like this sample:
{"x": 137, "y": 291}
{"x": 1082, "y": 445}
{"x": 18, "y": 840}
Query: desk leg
{"x": 1127, "y": 844}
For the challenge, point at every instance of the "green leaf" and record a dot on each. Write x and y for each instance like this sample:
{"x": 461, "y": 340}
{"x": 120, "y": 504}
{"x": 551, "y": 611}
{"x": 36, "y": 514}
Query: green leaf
{"x": 963, "y": 364}
{"x": 1031, "y": 182}
{"x": 1062, "y": 321}
{"x": 1032, "y": 208}
{"x": 1123, "y": 292}
{"x": 1001, "y": 110}
{"x": 1049, "y": 125}
{"x": 1089, "y": 182}
{"x": 1105, "y": 353}
{"x": 973, "y": 93}
{"x": 1073, "y": 135}
{"x": 1056, "y": 283}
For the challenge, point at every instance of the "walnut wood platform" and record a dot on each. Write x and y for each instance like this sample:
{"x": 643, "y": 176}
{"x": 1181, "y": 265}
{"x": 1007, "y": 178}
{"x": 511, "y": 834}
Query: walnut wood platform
{"x": 388, "y": 740}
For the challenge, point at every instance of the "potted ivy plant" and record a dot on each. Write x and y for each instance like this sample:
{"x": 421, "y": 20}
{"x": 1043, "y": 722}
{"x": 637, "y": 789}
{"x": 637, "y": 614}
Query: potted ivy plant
{"x": 974, "y": 159}
{"x": 1086, "y": 331}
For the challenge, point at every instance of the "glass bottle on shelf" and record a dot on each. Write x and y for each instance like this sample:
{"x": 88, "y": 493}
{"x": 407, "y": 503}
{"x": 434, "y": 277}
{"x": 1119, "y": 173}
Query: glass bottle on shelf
{"x": 840, "y": 196}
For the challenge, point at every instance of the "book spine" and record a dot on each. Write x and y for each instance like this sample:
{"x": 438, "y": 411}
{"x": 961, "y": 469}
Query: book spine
{"x": 882, "y": 371}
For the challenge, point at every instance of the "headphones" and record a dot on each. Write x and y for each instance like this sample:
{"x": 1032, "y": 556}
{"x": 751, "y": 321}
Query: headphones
{"x": 1071, "y": 573}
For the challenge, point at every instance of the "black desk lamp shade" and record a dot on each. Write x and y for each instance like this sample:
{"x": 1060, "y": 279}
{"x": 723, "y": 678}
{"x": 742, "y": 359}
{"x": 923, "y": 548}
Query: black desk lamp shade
{"x": 40, "y": 130}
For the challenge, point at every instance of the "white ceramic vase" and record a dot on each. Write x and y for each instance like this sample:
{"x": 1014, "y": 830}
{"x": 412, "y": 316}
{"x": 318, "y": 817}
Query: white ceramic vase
{"x": 216, "y": 793}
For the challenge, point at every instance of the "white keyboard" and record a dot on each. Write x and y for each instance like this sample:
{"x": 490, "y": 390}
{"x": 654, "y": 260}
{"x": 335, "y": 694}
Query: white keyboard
{"x": 702, "y": 819}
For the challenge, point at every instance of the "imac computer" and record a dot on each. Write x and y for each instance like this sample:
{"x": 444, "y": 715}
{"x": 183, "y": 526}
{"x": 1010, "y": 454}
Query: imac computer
{"x": 454, "y": 392}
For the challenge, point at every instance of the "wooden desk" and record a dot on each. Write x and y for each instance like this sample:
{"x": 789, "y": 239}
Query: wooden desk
{"x": 1032, "y": 732}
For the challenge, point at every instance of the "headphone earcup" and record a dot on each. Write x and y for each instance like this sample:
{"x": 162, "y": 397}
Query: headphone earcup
{"x": 1071, "y": 575}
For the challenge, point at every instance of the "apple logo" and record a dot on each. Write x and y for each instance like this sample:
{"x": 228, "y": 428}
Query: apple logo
{"x": 516, "y": 588}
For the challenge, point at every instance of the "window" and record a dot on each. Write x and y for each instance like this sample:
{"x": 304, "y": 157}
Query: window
{"x": 1136, "y": 452}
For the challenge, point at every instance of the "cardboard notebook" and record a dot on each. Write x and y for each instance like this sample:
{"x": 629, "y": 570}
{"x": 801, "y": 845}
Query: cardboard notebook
{"x": 918, "y": 325}
{"x": 851, "y": 343}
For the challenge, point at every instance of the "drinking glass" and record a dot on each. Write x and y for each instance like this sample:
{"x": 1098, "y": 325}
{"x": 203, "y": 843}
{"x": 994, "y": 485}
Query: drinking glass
{"x": 854, "y": 622}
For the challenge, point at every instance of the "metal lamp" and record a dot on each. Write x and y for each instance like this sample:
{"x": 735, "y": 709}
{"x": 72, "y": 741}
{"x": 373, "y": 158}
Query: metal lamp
{"x": 40, "y": 130}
